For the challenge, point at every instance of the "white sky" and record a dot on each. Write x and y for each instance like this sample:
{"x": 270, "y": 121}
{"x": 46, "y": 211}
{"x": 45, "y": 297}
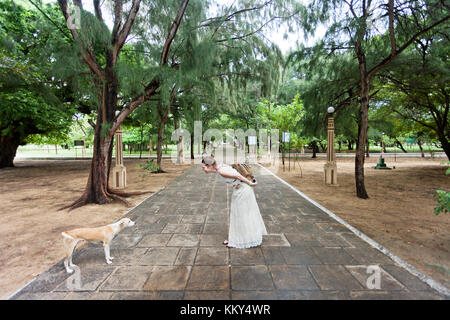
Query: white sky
{"x": 285, "y": 45}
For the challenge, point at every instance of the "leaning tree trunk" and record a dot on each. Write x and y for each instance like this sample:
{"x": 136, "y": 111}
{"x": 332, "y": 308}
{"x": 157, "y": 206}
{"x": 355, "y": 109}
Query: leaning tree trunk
{"x": 107, "y": 123}
{"x": 8, "y": 149}
{"x": 362, "y": 125}
{"x": 400, "y": 145}
{"x": 97, "y": 189}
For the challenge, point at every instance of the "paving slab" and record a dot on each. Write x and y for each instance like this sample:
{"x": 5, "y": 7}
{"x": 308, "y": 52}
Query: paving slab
{"x": 175, "y": 252}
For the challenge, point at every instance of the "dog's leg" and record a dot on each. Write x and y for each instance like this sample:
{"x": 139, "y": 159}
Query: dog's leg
{"x": 66, "y": 265}
{"x": 107, "y": 256}
{"x": 68, "y": 248}
{"x": 69, "y": 245}
{"x": 71, "y": 252}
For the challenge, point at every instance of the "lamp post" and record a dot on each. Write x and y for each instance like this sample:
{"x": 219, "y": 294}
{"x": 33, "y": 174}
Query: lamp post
{"x": 330, "y": 167}
{"x": 119, "y": 172}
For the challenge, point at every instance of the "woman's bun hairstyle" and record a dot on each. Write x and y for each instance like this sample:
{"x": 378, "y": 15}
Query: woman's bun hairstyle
{"x": 209, "y": 160}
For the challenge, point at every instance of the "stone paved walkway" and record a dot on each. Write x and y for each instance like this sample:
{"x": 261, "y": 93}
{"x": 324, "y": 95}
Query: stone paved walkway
{"x": 175, "y": 251}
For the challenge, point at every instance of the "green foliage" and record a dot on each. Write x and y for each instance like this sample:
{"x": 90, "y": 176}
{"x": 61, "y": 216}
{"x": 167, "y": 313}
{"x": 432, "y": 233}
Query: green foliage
{"x": 281, "y": 117}
{"x": 443, "y": 202}
{"x": 415, "y": 91}
{"x": 31, "y": 109}
{"x": 328, "y": 73}
{"x": 442, "y": 198}
{"x": 150, "y": 166}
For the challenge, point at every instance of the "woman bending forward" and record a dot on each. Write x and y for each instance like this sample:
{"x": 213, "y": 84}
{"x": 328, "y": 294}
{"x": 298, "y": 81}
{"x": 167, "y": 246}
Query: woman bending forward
{"x": 246, "y": 224}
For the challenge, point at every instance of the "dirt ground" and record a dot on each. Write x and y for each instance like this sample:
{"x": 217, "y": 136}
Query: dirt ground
{"x": 399, "y": 212}
{"x": 30, "y": 223}
{"x": 398, "y": 215}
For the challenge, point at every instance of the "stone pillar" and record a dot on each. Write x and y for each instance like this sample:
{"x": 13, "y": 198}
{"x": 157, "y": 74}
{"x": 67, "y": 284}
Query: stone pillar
{"x": 119, "y": 172}
{"x": 330, "y": 167}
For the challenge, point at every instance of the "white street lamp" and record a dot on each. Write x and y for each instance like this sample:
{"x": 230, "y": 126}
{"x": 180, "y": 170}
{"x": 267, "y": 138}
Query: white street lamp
{"x": 330, "y": 167}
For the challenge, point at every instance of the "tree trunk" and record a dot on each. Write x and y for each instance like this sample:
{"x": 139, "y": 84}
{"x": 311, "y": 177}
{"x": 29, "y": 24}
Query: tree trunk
{"x": 192, "y": 145}
{"x": 444, "y": 143}
{"x": 8, "y": 149}
{"x": 314, "y": 148}
{"x": 367, "y": 148}
{"x": 140, "y": 145}
{"x": 362, "y": 125}
{"x": 350, "y": 144}
{"x": 97, "y": 189}
{"x": 175, "y": 127}
{"x": 159, "y": 144}
{"x": 322, "y": 146}
{"x": 421, "y": 149}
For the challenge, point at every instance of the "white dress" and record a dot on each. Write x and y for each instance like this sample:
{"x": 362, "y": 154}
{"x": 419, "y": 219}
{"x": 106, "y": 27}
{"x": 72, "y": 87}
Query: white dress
{"x": 246, "y": 223}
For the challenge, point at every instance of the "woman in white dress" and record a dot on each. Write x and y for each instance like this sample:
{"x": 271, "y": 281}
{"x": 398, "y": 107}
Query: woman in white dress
{"x": 246, "y": 224}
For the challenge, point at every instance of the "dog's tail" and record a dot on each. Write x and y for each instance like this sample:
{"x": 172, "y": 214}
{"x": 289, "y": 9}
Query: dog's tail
{"x": 65, "y": 235}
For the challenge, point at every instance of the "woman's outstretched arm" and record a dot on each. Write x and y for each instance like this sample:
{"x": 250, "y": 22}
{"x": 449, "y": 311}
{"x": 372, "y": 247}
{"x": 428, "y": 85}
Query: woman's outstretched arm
{"x": 227, "y": 173}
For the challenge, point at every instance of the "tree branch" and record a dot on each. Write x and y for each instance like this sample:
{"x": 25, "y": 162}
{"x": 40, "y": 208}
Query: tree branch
{"x": 118, "y": 6}
{"x": 391, "y": 27}
{"x": 87, "y": 54}
{"x": 151, "y": 88}
{"x": 125, "y": 31}
{"x": 49, "y": 19}
{"x": 98, "y": 10}
{"x": 172, "y": 32}
{"x": 416, "y": 120}
{"x": 391, "y": 57}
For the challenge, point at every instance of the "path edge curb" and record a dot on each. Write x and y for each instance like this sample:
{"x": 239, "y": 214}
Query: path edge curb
{"x": 411, "y": 269}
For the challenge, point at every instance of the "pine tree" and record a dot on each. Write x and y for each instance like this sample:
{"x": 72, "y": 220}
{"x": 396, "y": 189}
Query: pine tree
{"x": 372, "y": 34}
